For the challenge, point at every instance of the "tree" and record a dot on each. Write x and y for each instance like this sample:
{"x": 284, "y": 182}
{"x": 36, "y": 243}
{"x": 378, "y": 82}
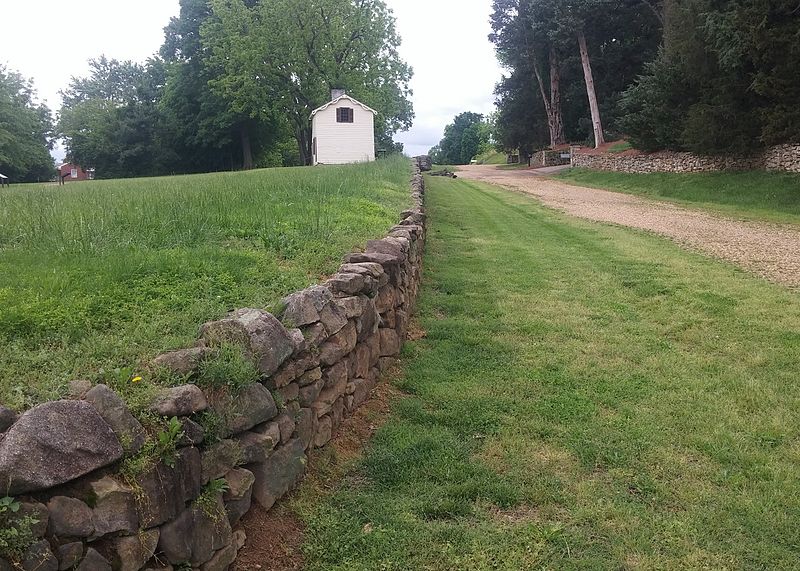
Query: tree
{"x": 462, "y": 140}
{"x": 725, "y": 81}
{"x": 281, "y": 58}
{"x": 26, "y": 130}
{"x": 110, "y": 119}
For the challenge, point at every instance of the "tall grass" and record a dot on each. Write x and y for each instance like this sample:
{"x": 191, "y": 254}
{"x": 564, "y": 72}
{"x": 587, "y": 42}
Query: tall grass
{"x": 102, "y": 275}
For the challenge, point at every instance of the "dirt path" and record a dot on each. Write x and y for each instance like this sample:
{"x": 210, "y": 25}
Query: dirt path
{"x": 770, "y": 250}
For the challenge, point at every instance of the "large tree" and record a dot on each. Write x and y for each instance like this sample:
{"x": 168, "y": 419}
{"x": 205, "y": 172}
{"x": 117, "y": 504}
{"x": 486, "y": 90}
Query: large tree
{"x": 281, "y": 58}
{"x": 110, "y": 119}
{"x": 726, "y": 81}
{"x": 26, "y": 130}
{"x": 462, "y": 140}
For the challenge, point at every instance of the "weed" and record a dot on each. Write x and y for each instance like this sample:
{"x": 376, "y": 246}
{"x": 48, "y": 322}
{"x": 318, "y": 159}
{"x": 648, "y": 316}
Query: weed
{"x": 161, "y": 448}
{"x": 16, "y": 532}
{"x": 230, "y": 369}
{"x": 208, "y": 500}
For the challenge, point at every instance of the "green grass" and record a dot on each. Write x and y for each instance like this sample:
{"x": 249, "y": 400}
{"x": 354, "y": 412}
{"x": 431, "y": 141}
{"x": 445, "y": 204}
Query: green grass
{"x": 587, "y": 397}
{"x": 753, "y": 195}
{"x": 98, "y": 277}
{"x": 620, "y": 147}
{"x": 491, "y": 157}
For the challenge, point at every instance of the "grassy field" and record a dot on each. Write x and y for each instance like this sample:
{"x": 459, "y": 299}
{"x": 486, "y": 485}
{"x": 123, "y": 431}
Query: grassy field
{"x": 587, "y": 397}
{"x": 96, "y": 278}
{"x": 491, "y": 157}
{"x": 752, "y": 195}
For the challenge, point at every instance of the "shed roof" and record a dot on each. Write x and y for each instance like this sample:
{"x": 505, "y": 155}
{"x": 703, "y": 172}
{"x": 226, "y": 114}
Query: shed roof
{"x": 3, "y": 176}
{"x": 345, "y": 96}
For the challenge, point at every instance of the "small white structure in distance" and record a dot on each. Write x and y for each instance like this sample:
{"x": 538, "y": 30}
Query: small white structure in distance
{"x": 343, "y": 131}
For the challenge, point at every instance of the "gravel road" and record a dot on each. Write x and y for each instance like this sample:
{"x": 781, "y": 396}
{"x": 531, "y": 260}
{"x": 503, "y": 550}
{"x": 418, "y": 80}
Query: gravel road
{"x": 770, "y": 250}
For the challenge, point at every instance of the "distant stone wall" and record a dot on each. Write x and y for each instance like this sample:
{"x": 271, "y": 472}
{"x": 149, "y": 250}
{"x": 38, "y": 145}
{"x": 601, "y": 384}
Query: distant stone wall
{"x": 65, "y": 461}
{"x": 549, "y": 159}
{"x": 780, "y": 158}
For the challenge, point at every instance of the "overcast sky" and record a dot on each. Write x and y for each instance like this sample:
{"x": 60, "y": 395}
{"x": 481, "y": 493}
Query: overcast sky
{"x": 444, "y": 40}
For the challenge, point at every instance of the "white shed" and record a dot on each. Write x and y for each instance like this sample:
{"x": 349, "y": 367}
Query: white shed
{"x": 343, "y": 131}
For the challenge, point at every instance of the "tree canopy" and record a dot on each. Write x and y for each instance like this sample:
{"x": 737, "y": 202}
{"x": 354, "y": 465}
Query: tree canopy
{"x": 26, "y": 130}
{"x": 464, "y": 138}
{"x": 233, "y": 86}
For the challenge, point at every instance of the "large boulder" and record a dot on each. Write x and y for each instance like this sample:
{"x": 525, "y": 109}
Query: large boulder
{"x": 279, "y": 474}
{"x": 119, "y": 418}
{"x": 55, "y": 443}
{"x": 264, "y": 338}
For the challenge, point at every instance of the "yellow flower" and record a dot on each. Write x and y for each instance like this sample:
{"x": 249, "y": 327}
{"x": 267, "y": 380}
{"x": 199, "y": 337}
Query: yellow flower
{"x": 136, "y": 379}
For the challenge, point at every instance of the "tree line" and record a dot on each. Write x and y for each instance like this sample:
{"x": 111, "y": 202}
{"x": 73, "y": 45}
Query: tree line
{"x": 709, "y": 76}
{"x": 233, "y": 86}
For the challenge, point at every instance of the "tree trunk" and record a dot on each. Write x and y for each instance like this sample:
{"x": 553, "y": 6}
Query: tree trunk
{"x": 303, "y": 137}
{"x": 552, "y": 105}
{"x": 587, "y": 74}
{"x": 247, "y": 151}
{"x": 555, "y": 121}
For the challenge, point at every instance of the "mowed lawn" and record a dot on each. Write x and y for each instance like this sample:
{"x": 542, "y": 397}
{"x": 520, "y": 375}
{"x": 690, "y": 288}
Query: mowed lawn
{"x": 586, "y": 397}
{"x": 97, "y": 278}
{"x": 758, "y": 195}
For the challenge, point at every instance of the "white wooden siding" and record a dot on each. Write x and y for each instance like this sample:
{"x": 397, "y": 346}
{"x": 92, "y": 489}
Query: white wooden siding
{"x": 342, "y": 143}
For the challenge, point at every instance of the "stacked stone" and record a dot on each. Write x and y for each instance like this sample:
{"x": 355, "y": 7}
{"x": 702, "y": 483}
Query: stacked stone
{"x": 424, "y": 163}
{"x": 320, "y": 358}
{"x": 783, "y": 158}
{"x": 780, "y": 158}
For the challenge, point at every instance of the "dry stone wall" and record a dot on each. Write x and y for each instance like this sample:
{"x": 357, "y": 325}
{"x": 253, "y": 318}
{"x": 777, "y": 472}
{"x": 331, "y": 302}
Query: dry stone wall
{"x": 780, "y": 158}
{"x": 319, "y": 359}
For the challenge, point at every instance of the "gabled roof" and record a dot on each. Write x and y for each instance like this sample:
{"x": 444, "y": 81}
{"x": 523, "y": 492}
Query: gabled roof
{"x": 335, "y": 101}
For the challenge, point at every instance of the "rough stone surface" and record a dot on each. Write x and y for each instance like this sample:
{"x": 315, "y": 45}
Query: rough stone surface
{"x": 310, "y": 377}
{"x": 351, "y": 306}
{"x": 324, "y": 431}
{"x": 288, "y": 393}
{"x": 347, "y": 284}
{"x": 315, "y": 334}
{"x": 219, "y": 458}
{"x": 264, "y": 337}
{"x": 336, "y": 374}
{"x": 193, "y": 433}
{"x": 221, "y": 560}
{"x": 390, "y": 342}
{"x": 239, "y": 483}
{"x": 305, "y": 426}
{"x": 386, "y": 299}
{"x": 286, "y": 425}
{"x": 69, "y": 517}
{"x": 7, "y": 418}
{"x": 332, "y": 319}
{"x": 282, "y": 470}
{"x": 339, "y": 345}
{"x": 166, "y": 490}
{"x": 133, "y": 551}
{"x": 114, "y": 507}
{"x": 116, "y": 414}
{"x": 38, "y": 557}
{"x": 328, "y": 397}
{"x": 252, "y": 406}
{"x": 69, "y": 555}
{"x": 184, "y": 362}
{"x": 55, "y": 443}
{"x": 309, "y": 393}
{"x": 194, "y": 536}
{"x": 374, "y": 257}
{"x": 303, "y": 307}
{"x": 367, "y": 324}
{"x": 78, "y": 388}
{"x": 256, "y": 446}
{"x": 93, "y": 561}
{"x": 180, "y": 401}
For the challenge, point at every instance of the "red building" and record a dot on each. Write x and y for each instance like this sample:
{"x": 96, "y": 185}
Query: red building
{"x": 69, "y": 172}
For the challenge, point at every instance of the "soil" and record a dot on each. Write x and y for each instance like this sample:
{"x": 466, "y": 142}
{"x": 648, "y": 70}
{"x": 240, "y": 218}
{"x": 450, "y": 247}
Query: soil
{"x": 767, "y": 249}
{"x": 275, "y": 537}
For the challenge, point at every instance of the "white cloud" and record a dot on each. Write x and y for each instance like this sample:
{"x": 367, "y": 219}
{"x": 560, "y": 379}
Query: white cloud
{"x": 444, "y": 40}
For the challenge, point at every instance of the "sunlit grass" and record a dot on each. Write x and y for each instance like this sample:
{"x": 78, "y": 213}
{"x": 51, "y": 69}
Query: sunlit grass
{"x": 586, "y": 397}
{"x": 101, "y": 275}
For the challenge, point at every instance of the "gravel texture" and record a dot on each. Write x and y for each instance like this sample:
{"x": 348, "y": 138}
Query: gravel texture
{"x": 769, "y": 250}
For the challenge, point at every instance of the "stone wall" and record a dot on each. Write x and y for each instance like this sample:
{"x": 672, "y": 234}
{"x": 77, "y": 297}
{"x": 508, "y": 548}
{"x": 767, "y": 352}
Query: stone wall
{"x": 72, "y": 464}
{"x": 780, "y": 158}
{"x": 548, "y": 159}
